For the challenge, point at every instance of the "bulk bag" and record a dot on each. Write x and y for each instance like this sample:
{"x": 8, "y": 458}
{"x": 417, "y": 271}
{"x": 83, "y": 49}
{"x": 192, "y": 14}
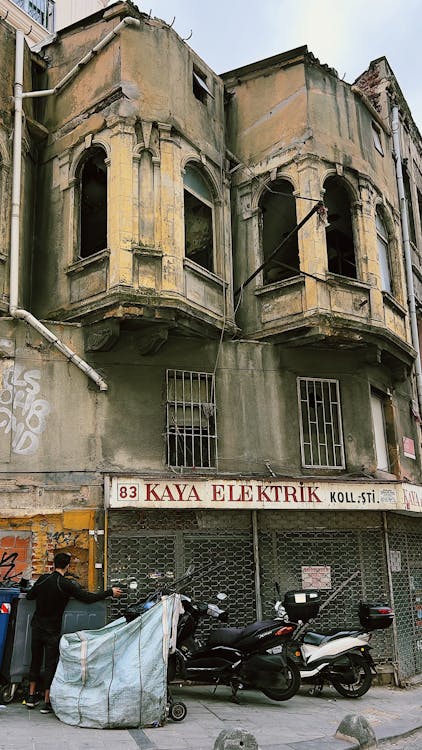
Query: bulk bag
{"x": 116, "y": 676}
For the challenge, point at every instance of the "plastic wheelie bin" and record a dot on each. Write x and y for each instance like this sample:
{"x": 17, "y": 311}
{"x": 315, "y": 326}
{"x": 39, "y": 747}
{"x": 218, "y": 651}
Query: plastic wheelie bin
{"x": 6, "y": 598}
{"x": 17, "y": 651}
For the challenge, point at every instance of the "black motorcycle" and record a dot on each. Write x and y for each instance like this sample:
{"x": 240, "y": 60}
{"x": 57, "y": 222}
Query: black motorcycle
{"x": 254, "y": 657}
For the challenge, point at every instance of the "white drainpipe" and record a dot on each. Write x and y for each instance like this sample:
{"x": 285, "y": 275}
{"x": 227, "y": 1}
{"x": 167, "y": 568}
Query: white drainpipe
{"x": 19, "y": 95}
{"x": 407, "y": 253}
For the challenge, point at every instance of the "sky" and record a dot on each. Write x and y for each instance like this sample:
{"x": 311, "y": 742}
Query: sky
{"x": 344, "y": 34}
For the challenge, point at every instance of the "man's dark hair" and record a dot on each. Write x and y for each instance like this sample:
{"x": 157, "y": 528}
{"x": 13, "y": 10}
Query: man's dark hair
{"x": 61, "y": 560}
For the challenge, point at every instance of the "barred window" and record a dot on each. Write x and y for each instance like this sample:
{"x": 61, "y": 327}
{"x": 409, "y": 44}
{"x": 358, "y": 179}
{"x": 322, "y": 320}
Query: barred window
{"x": 321, "y": 437}
{"x": 191, "y": 434}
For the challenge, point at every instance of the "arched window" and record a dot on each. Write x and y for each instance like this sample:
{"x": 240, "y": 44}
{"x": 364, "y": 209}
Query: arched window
{"x": 93, "y": 203}
{"x": 383, "y": 252}
{"x": 199, "y": 218}
{"x": 339, "y": 232}
{"x": 278, "y": 216}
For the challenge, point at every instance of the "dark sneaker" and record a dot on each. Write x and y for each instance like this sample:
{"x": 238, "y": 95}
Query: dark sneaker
{"x": 46, "y": 708}
{"x": 32, "y": 701}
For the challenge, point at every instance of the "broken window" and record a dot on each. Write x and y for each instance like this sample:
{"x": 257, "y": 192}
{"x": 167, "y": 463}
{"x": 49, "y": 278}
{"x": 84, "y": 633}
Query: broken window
{"x": 384, "y": 431}
{"x": 409, "y": 205}
{"x": 278, "y": 217}
{"x": 376, "y": 135}
{"x": 383, "y": 252}
{"x": 199, "y": 219}
{"x": 339, "y": 232}
{"x": 199, "y": 86}
{"x": 420, "y": 208}
{"x": 380, "y": 431}
{"x": 321, "y": 435}
{"x": 93, "y": 203}
{"x": 191, "y": 439}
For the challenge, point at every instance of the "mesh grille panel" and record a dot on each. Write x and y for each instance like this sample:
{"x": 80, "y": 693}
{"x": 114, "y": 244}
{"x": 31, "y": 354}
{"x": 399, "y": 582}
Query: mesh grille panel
{"x": 141, "y": 554}
{"x": 138, "y": 557}
{"x": 282, "y": 555}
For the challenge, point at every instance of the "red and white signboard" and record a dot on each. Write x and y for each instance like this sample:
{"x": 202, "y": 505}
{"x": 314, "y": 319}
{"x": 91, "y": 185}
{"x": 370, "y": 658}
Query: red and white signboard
{"x": 316, "y": 577}
{"x": 5, "y": 608}
{"x": 409, "y": 447}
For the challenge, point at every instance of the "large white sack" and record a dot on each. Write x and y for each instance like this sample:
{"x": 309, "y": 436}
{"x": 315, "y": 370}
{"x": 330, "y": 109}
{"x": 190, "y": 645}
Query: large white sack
{"x": 116, "y": 676}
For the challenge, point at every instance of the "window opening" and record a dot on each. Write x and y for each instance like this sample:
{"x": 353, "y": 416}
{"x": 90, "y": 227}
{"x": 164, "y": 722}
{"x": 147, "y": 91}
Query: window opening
{"x": 199, "y": 86}
{"x": 420, "y": 208}
{"x": 199, "y": 219}
{"x": 380, "y": 431}
{"x": 93, "y": 204}
{"x": 321, "y": 437}
{"x": 191, "y": 438}
{"x": 409, "y": 205}
{"x": 339, "y": 232}
{"x": 278, "y": 217}
{"x": 383, "y": 253}
{"x": 376, "y": 135}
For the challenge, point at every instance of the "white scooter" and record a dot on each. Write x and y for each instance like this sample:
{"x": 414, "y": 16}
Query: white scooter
{"x": 341, "y": 657}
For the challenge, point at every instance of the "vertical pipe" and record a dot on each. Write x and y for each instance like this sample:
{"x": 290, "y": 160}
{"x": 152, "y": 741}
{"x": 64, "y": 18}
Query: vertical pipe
{"x": 258, "y": 602}
{"x": 407, "y": 252}
{"x": 391, "y": 595}
{"x": 16, "y": 172}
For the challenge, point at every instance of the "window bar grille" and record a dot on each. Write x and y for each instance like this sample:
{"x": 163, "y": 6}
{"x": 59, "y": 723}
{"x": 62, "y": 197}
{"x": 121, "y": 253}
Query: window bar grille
{"x": 322, "y": 440}
{"x": 325, "y": 391}
{"x": 200, "y": 420}
{"x": 308, "y": 412}
{"x": 190, "y": 414}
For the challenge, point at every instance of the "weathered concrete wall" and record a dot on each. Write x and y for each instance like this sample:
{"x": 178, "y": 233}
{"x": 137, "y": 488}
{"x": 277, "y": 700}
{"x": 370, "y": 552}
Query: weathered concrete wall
{"x": 121, "y": 101}
{"x": 28, "y": 544}
{"x": 7, "y": 65}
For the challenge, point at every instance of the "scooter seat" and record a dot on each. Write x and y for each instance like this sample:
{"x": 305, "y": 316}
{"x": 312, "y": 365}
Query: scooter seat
{"x": 315, "y": 639}
{"x": 224, "y": 636}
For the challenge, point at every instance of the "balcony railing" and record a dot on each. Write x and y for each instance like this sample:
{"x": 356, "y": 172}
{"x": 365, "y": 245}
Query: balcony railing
{"x": 41, "y": 11}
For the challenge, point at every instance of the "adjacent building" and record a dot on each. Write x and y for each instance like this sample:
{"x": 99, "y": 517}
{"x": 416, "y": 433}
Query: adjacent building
{"x": 208, "y": 340}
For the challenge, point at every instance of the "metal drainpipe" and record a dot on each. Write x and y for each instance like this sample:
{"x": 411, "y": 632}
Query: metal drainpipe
{"x": 19, "y": 95}
{"x": 258, "y": 601}
{"x": 407, "y": 253}
{"x": 391, "y": 594}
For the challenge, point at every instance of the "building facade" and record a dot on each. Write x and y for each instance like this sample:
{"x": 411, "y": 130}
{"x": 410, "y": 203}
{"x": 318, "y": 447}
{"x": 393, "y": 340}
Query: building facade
{"x": 207, "y": 351}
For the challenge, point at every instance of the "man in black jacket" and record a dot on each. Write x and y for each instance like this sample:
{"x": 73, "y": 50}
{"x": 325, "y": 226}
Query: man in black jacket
{"x": 52, "y": 592}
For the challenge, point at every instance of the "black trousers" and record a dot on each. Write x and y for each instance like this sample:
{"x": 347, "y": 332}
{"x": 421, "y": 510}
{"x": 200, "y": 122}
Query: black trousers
{"x": 44, "y": 645}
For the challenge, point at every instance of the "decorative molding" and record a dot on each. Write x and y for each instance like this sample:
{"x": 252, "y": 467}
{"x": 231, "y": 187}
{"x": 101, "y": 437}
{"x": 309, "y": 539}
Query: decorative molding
{"x": 103, "y": 337}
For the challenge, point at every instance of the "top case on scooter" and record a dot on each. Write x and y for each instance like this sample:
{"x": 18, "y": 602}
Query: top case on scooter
{"x": 301, "y": 605}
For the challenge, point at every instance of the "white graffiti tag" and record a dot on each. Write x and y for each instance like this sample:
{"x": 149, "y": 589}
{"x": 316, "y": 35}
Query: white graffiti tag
{"x": 21, "y": 413}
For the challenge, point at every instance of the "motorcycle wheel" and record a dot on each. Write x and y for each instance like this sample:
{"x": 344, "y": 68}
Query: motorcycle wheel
{"x": 7, "y": 693}
{"x": 291, "y": 684}
{"x": 361, "y": 685}
{"x": 177, "y": 711}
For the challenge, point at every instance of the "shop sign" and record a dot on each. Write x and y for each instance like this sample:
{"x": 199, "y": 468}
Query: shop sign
{"x": 409, "y": 447}
{"x": 316, "y": 577}
{"x": 412, "y": 498}
{"x": 137, "y": 492}
{"x": 395, "y": 560}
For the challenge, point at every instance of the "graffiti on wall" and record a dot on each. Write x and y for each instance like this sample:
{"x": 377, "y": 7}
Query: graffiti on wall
{"x": 64, "y": 538}
{"x": 21, "y": 411}
{"x": 15, "y": 556}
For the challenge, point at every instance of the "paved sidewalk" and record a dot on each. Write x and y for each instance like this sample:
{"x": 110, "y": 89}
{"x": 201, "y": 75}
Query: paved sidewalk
{"x": 303, "y": 723}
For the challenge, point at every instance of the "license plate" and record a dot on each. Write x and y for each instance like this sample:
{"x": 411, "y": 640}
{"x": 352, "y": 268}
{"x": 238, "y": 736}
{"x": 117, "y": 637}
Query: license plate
{"x": 275, "y": 650}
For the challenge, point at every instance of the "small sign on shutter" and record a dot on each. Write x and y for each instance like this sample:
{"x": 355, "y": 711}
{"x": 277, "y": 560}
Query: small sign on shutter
{"x": 409, "y": 447}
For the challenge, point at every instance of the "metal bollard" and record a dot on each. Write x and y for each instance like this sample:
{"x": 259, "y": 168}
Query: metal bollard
{"x": 235, "y": 739}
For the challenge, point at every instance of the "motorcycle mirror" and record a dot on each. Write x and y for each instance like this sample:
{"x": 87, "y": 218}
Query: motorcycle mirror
{"x": 277, "y": 588}
{"x": 221, "y": 596}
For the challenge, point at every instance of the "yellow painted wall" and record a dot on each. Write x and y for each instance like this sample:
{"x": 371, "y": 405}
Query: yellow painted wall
{"x": 67, "y": 531}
